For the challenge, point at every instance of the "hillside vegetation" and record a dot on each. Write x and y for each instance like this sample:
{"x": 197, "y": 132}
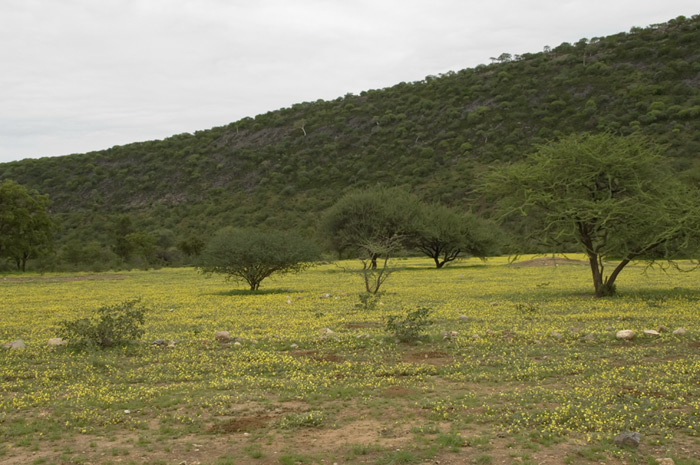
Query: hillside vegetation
{"x": 435, "y": 137}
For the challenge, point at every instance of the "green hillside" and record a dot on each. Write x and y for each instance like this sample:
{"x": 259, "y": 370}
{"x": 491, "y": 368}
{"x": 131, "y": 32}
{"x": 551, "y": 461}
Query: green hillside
{"x": 436, "y": 136}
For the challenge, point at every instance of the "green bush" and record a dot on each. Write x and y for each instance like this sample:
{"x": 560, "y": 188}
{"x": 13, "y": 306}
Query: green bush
{"x": 110, "y": 325}
{"x": 251, "y": 255}
{"x": 410, "y": 327}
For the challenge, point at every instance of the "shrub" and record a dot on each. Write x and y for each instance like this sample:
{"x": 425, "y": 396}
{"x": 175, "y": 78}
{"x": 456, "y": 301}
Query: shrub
{"x": 252, "y": 255}
{"x": 110, "y": 325}
{"x": 410, "y": 327}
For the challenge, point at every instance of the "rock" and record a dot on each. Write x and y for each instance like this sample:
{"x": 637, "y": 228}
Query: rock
{"x": 651, "y": 332}
{"x": 158, "y": 342}
{"x": 327, "y": 332}
{"x": 325, "y": 296}
{"x": 665, "y": 461}
{"x": 293, "y": 346}
{"x": 463, "y": 318}
{"x": 626, "y": 334}
{"x": 237, "y": 344}
{"x": 56, "y": 342}
{"x": 363, "y": 336}
{"x": 662, "y": 329}
{"x": 556, "y": 335}
{"x": 588, "y": 337}
{"x": 628, "y": 439}
{"x": 171, "y": 344}
{"x": 449, "y": 334}
{"x": 490, "y": 332}
{"x": 222, "y": 336}
{"x": 679, "y": 332}
{"x": 18, "y": 344}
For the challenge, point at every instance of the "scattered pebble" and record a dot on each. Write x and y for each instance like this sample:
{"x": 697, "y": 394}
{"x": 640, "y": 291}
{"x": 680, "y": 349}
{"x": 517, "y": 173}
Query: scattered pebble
{"x": 626, "y": 334}
{"x": 18, "y": 344}
{"x": 628, "y": 439}
{"x": 56, "y": 341}
{"x": 222, "y": 336}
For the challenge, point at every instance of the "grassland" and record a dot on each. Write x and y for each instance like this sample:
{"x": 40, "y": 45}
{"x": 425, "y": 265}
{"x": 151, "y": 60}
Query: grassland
{"x": 533, "y": 375}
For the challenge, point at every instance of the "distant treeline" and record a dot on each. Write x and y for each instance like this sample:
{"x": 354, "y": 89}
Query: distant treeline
{"x": 435, "y": 138}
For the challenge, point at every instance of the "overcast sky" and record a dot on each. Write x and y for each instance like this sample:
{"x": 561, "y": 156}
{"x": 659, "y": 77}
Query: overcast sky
{"x": 83, "y": 75}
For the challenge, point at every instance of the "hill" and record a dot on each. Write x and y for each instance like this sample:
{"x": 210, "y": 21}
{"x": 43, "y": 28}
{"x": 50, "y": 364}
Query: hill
{"x": 435, "y": 136}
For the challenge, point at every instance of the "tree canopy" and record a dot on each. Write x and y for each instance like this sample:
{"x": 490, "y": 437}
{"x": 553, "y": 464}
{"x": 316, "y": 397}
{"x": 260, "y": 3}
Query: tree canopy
{"x": 373, "y": 222}
{"x": 444, "y": 234}
{"x": 26, "y": 230}
{"x": 251, "y": 255}
{"x": 615, "y": 197}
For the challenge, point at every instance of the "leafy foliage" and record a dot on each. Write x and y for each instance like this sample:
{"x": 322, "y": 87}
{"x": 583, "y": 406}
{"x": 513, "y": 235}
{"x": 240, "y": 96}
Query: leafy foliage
{"x": 444, "y": 234}
{"x": 26, "y": 230}
{"x": 614, "y": 197}
{"x": 372, "y": 223}
{"x": 434, "y": 136}
{"x": 251, "y": 255}
{"x": 109, "y": 326}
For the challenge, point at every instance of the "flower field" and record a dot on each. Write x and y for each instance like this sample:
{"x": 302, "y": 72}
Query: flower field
{"x": 521, "y": 365}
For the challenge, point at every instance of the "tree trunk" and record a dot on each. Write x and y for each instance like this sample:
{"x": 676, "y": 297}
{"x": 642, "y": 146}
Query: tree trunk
{"x": 604, "y": 286}
{"x": 596, "y": 271}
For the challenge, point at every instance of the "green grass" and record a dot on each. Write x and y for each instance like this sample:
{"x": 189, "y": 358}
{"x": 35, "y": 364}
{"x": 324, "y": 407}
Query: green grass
{"x": 503, "y": 383}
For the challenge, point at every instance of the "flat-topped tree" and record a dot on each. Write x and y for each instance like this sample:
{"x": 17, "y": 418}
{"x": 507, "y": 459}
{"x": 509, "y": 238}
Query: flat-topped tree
{"x": 615, "y": 197}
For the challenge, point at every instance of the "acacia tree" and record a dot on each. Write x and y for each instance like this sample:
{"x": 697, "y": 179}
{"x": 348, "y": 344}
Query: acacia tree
{"x": 444, "y": 234}
{"x": 26, "y": 230}
{"x": 613, "y": 196}
{"x": 251, "y": 255}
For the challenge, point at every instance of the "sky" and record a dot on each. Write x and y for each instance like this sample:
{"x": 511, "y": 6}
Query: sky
{"x": 84, "y": 75}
